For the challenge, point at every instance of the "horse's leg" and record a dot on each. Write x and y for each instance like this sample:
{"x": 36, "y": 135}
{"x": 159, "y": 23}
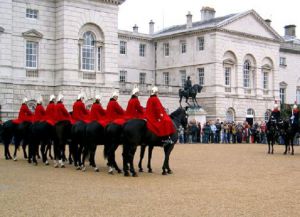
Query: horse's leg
{"x": 6, "y": 150}
{"x": 92, "y": 157}
{"x": 44, "y": 152}
{"x": 132, "y": 153}
{"x": 269, "y": 146}
{"x": 125, "y": 156}
{"x": 24, "y": 144}
{"x": 168, "y": 158}
{"x": 150, "y": 150}
{"x": 142, "y": 154}
{"x": 49, "y": 150}
{"x": 286, "y": 148}
{"x": 17, "y": 145}
{"x": 113, "y": 159}
{"x": 273, "y": 142}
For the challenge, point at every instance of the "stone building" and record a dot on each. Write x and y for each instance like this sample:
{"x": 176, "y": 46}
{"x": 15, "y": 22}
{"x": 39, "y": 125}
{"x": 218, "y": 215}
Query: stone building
{"x": 68, "y": 47}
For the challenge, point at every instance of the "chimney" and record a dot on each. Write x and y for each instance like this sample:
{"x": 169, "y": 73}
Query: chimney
{"x": 268, "y": 22}
{"x": 189, "y": 20}
{"x": 290, "y": 31}
{"x": 151, "y": 27}
{"x": 207, "y": 13}
{"x": 135, "y": 28}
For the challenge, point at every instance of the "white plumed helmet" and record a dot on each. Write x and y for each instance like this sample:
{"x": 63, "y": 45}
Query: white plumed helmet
{"x": 154, "y": 90}
{"x": 40, "y": 100}
{"x": 295, "y": 105}
{"x": 135, "y": 90}
{"x": 276, "y": 105}
{"x": 60, "y": 97}
{"x": 25, "y": 100}
{"x": 98, "y": 97}
{"x": 115, "y": 94}
{"x": 80, "y": 96}
{"x": 52, "y": 98}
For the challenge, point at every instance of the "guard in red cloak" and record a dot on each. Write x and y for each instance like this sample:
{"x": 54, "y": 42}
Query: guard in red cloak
{"x": 80, "y": 113}
{"x": 134, "y": 108}
{"x": 114, "y": 112}
{"x": 97, "y": 112}
{"x": 276, "y": 113}
{"x": 61, "y": 112}
{"x": 158, "y": 121}
{"x": 50, "y": 116}
{"x": 39, "y": 113}
{"x": 24, "y": 114}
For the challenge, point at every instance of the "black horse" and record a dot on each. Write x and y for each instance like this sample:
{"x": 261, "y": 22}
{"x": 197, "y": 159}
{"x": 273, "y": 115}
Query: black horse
{"x": 196, "y": 88}
{"x": 136, "y": 133}
{"x": 272, "y": 135}
{"x": 288, "y": 132}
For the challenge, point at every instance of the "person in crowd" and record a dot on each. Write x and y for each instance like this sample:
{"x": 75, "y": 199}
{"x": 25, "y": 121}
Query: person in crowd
{"x": 218, "y": 131}
{"x": 213, "y": 132}
{"x": 206, "y": 133}
{"x": 181, "y": 134}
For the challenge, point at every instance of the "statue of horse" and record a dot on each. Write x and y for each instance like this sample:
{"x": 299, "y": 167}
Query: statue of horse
{"x": 192, "y": 92}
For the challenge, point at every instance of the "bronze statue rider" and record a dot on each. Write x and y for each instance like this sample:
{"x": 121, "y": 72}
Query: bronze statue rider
{"x": 188, "y": 85}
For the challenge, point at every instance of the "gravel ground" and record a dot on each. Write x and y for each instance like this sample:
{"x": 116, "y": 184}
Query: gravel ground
{"x": 208, "y": 180}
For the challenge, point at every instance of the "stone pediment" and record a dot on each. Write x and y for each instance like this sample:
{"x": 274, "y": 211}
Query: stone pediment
{"x": 228, "y": 62}
{"x": 241, "y": 23}
{"x": 32, "y": 34}
{"x": 1, "y": 29}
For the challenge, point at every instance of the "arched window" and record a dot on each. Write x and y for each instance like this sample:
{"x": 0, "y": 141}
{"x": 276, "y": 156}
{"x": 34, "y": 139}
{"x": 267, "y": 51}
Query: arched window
{"x": 246, "y": 70}
{"x": 88, "y": 51}
{"x": 230, "y": 115}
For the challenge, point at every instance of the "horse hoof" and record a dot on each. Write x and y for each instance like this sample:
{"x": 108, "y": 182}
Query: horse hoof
{"x": 119, "y": 171}
{"x": 83, "y": 169}
{"x": 126, "y": 174}
{"x": 141, "y": 170}
{"x": 96, "y": 169}
{"x": 164, "y": 173}
{"x": 292, "y": 153}
{"x": 15, "y": 158}
{"x": 284, "y": 153}
{"x": 46, "y": 163}
{"x": 134, "y": 175}
{"x": 55, "y": 165}
{"x": 78, "y": 168}
{"x": 150, "y": 171}
{"x": 62, "y": 166}
{"x": 170, "y": 172}
{"x": 35, "y": 164}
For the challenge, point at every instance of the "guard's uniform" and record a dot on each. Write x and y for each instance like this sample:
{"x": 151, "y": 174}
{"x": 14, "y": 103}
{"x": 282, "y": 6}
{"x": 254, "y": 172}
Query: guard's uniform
{"x": 158, "y": 121}
{"x": 61, "y": 113}
{"x": 50, "y": 116}
{"x": 295, "y": 120}
{"x": 114, "y": 112}
{"x": 39, "y": 113}
{"x": 98, "y": 114}
{"x": 275, "y": 114}
{"x": 134, "y": 109}
{"x": 80, "y": 113}
{"x": 24, "y": 115}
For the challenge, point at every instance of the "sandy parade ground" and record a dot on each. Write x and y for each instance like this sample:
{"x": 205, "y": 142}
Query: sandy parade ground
{"x": 208, "y": 180}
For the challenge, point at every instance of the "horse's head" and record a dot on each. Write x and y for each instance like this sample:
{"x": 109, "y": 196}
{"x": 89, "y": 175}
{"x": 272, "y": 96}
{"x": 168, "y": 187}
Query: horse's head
{"x": 180, "y": 117}
{"x": 198, "y": 87}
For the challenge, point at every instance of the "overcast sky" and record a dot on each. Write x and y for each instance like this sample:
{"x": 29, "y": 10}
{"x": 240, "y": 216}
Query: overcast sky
{"x": 166, "y": 13}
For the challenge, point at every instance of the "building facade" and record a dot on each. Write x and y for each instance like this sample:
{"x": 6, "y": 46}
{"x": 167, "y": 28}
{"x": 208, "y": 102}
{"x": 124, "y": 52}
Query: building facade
{"x": 61, "y": 46}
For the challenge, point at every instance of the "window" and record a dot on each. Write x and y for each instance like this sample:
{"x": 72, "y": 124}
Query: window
{"x": 265, "y": 80}
{"x": 267, "y": 115}
{"x": 227, "y": 76}
{"x": 230, "y": 115}
{"x": 31, "y": 54}
{"x": 201, "y": 76}
{"x": 30, "y": 13}
{"x": 142, "y": 50}
{"x": 247, "y": 67}
{"x": 282, "y": 61}
{"x": 282, "y": 95}
{"x": 166, "y": 78}
{"x": 99, "y": 58}
{"x": 123, "y": 76}
{"x": 298, "y": 96}
{"x": 200, "y": 43}
{"x": 183, "y": 46}
{"x": 183, "y": 77}
{"x": 123, "y": 47}
{"x": 166, "y": 49}
{"x": 142, "y": 78}
{"x": 88, "y": 51}
{"x": 250, "y": 112}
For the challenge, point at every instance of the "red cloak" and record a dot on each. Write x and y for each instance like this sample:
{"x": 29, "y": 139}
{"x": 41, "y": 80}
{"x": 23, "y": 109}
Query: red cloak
{"x": 80, "y": 113}
{"x": 24, "y": 114}
{"x": 158, "y": 121}
{"x": 98, "y": 114}
{"x": 114, "y": 112}
{"x": 134, "y": 109}
{"x": 61, "y": 113}
{"x": 50, "y": 116}
{"x": 39, "y": 113}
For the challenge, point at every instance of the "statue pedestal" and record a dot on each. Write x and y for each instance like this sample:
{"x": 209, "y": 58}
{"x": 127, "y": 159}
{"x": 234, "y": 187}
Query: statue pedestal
{"x": 197, "y": 114}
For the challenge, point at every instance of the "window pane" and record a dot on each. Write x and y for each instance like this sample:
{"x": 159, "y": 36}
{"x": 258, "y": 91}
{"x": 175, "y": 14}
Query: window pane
{"x": 88, "y": 51}
{"x": 31, "y": 54}
{"x": 201, "y": 76}
{"x": 142, "y": 78}
{"x": 227, "y": 76}
{"x": 142, "y": 50}
{"x": 123, "y": 45}
{"x": 183, "y": 77}
{"x": 247, "y": 67}
{"x": 166, "y": 78}
{"x": 201, "y": 43}
{"x": 123, "y": 75}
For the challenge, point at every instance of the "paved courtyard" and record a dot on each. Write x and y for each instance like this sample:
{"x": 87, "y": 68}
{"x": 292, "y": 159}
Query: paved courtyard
{"x": 208, "y": 180}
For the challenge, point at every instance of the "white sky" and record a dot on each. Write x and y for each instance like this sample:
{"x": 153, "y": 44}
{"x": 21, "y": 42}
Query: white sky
{"x": 166, "y": 13}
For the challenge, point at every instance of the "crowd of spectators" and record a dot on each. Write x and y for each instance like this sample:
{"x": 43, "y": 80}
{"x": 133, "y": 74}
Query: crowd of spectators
{"x": 223, "y": 132}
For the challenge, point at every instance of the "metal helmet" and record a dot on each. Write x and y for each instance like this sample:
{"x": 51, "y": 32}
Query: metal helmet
{"x": 295, "y": 106}
{"x": 135, "y": 91}
{"x": 60, "y": 97}
{"x": 80, "y": 96}
{"x": 52, "y": 98}
{"x": 115, "y": 94}
{"x": 25, "y": 100}
{"x": 154, "y": 90}
{"x": 98, "y": 97}
{"x": 39, "y": 100}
